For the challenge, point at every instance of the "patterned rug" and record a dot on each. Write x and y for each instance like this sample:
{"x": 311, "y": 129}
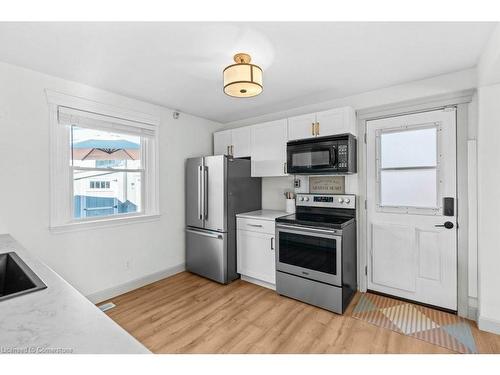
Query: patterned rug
{"x": 434, "y": 326}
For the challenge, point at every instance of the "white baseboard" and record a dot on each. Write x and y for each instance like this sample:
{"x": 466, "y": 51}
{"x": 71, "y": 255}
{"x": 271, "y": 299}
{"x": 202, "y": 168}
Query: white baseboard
{"x": 258, "y": 282}
{"x": 134, "y": 284}
{"x": 489, "y": 325}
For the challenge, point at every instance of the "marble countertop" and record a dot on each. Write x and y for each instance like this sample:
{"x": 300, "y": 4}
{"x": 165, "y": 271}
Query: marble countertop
{"x": 263, "y": 214}
{"x": 57, "y": 319}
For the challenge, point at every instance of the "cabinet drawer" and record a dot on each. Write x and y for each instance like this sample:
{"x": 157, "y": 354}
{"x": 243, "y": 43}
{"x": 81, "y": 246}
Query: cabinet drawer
{"x": 254, "y": 225}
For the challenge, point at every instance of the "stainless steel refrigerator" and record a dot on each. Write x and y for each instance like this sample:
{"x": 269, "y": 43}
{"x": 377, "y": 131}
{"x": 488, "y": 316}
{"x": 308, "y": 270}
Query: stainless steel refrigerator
{"x": 217, "y": 188}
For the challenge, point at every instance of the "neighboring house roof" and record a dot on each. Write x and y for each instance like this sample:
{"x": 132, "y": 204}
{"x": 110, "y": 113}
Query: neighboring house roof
{"x": 114, "y": 144}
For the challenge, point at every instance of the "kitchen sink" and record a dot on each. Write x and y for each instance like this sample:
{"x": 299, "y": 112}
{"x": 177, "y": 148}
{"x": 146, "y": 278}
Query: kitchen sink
{"x": 16, "y": 278}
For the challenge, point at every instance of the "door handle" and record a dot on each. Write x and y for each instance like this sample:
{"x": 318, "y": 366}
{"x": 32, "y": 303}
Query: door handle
{"x": 255, "y": 225}
{"x": 272, "y": 243}
{"x": 317, "y": 128}
{"x": 232, "y": 150}
{"x": 447, "y": 225}
{"x": 205, "y": 234}
{"x": 200, "y": 192}
{"x": 228, "y": 153}
{"x": 205, "y": 191}
{"x": 312, "y": 128}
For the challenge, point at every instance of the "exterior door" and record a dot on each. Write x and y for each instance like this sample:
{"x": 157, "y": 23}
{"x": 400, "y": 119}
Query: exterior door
{"x": 411, "y": 169}
{"x": 194, "y": 192}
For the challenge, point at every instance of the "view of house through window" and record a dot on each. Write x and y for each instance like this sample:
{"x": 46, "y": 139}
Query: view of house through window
{"x": 107, "y": 173}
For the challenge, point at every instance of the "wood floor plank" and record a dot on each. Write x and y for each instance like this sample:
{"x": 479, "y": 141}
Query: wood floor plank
{"x": 186, "y": 313}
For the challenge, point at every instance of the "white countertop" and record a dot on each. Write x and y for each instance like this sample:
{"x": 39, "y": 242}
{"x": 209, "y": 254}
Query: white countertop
{"x": 58, "y": 317}
{"x": 263, "y": 214}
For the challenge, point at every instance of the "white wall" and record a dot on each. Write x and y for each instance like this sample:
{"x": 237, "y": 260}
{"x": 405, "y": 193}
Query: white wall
{"x": 98, "y": 259}
{"x": 488, "y": 155}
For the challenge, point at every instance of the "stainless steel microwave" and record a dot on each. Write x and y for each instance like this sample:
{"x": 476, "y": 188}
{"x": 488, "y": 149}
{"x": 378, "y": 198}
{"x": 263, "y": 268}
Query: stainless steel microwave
{"x": 335, "y": 154}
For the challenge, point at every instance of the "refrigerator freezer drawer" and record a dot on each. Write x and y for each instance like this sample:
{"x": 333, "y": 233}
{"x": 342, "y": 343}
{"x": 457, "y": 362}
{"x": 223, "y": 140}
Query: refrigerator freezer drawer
{"x": 206, "y": 254}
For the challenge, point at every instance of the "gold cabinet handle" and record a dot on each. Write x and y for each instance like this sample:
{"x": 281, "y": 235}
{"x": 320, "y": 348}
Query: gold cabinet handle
{"x": 317, "y": 128}
{"x": 312, "y": 128}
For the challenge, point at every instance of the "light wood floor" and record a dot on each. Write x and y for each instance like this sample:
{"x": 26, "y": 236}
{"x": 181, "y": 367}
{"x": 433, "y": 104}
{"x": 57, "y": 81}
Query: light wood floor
{"x": 189, "y": 314}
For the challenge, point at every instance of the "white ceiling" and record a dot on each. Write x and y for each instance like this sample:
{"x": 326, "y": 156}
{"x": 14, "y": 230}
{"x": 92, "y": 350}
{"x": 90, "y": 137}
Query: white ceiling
{"x": 179, "y": 65}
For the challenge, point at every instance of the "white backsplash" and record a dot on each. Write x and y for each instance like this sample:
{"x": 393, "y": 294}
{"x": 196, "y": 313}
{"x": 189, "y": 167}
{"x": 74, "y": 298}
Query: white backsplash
{"x": 273, "y": 189}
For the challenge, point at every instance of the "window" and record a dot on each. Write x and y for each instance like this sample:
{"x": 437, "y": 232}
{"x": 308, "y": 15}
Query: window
{"x": 105, "y": 163}
{"x": 408, "y": 167}
{"x": 100, "y": 184}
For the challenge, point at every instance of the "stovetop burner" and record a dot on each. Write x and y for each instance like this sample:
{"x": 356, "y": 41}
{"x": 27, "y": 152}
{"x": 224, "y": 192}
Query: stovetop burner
{"x": 316, "y": 220}
{"x": 324, "y": 211}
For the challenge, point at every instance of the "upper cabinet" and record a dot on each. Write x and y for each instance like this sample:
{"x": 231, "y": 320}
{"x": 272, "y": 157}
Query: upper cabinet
{"x": 235, "y": 142}
{"x": 269, "y": 148}
{"x": 265, "y": 143}
{"x": 336, "y": 121}
{"x": 320, "y": 124}
{"x": 222, "y": 142}
{"x": 300, "y": 127}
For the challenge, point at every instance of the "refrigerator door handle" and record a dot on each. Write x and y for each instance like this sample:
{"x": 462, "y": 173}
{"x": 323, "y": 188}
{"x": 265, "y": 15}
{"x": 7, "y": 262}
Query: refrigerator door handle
{"x": 205, "y": 192}
{"x": 206, "y": 234}
{"x": 200, "y": 192}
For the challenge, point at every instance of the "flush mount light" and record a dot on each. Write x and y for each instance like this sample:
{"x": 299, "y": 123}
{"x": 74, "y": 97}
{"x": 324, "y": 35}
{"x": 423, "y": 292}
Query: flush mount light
{"x": 242, "y": 80}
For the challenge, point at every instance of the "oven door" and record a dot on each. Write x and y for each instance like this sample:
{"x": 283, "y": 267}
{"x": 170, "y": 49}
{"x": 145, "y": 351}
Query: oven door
{"x": 311, "y": 158}
{"x": 309, "y": 252}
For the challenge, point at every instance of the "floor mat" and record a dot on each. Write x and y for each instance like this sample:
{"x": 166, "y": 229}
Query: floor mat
{"x": 431, "y": 325}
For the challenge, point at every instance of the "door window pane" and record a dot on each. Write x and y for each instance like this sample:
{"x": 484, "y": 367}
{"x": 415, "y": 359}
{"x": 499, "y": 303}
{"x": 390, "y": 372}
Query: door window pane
{"x": 115, "y": 193}
{"x": 409, "y": 148}
{"x": 409, "y": 188}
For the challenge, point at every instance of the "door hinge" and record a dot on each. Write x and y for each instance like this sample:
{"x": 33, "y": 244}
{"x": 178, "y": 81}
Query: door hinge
{"x": 450, "y": 108}
{"x": 366, "y": 270}
{"x": 365, "y": 138}
{"x": 366, "y": 205}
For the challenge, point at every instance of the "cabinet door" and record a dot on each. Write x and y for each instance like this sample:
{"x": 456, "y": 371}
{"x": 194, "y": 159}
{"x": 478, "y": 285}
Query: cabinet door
{"x": 241, "y": 142}
{"x": 269, "y": 149}
{"x": 255, "y": 255}
{"x": 300, "y": 127}
{"x": 222, "y": 140}
{"x": 336, "y": 121}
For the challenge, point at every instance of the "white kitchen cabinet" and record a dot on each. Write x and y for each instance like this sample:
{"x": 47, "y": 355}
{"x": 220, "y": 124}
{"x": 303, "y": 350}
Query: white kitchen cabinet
{"x": 336, "y": 121}
{"x": 222, "y": 142}
{"x": 320, "y": 124}
{"x": 268, "y": 144}
{"x": 241, "y": 145}
{"x": 235, "y": 142}
{"x": 256, "y": 250}
{"x": 300, "y": 127}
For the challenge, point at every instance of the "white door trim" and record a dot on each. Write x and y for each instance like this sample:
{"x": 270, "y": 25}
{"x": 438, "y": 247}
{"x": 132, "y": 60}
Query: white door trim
{"x": 460, "y": 100}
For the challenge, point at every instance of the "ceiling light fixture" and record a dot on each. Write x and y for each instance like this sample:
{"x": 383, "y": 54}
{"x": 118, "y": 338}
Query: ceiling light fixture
{"x": 242, "y": 80}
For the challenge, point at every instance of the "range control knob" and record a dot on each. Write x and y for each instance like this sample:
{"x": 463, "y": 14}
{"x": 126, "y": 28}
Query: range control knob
{"x": 307, "y": 199}
{"x": 347, "y": 200}
{"x": 341, "y": 200}
{"x": 301, "y": 199}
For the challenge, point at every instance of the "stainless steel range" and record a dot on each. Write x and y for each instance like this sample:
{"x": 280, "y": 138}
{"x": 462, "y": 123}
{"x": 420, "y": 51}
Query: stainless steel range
{"x": 316, "y": 251}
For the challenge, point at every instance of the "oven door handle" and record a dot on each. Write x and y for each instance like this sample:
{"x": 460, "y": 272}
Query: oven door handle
{"x": 306, "y": 230}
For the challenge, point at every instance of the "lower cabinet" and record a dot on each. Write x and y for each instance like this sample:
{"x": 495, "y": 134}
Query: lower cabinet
{"x": 255, "y": 254}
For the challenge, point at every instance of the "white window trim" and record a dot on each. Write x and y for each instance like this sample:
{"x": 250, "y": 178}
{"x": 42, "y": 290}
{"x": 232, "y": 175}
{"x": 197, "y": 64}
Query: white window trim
{"x": 61, "y": 179}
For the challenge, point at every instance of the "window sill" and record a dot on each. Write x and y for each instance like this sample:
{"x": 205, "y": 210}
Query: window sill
{"x": 102, "y": 223}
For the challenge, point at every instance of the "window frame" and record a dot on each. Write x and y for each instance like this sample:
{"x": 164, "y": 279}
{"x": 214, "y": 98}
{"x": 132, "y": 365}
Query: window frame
{"x": 61, "y": 170}
{"x": 408, "y": 209}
